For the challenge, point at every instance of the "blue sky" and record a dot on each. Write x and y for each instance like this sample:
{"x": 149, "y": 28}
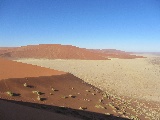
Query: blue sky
{"x": 130, "y": 25}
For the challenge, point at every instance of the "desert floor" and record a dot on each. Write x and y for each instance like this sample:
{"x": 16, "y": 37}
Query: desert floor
{"x": 138, "y": 78}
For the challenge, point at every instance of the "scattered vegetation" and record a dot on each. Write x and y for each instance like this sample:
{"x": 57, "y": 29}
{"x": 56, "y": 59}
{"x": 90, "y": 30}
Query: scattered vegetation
{"x": 82, "y": 108}
{"x": 39, "y": 98}
{"x": 10, "y": 93}
{"x": 87, "y": 91}
{"x": 64, "y": 97}
{"x": 100, "y": 100}
{"x": 54, "y": 89}
{"x": 100, "y": 106}
{"x": 37, "y": 92}
{"x": 107, "y": 114}
{"x": 72, "y": 96}
{"x": 25, "y": 85}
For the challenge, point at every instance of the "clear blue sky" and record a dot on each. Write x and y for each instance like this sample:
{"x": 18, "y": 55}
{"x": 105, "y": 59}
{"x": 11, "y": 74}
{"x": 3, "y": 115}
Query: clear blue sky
{"x": 131, "y": 25}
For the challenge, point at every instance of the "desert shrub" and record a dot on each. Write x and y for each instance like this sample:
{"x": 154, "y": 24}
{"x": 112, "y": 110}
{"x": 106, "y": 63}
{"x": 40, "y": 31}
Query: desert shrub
{"x": 25, "y": 85}
{"x": 82, "y": 108}
{"x": 37, "y": 92}
{"x": 100, "y": 106}
{"x": 10, "y": 93}
{"x": 100, "y": 100}
{"x": 87, "y": 91}
{"x": 64, "y": 97}
{"x": 54, "y": 89}
{"x": 39, "y": 98}
{"x": 72, "y": 96}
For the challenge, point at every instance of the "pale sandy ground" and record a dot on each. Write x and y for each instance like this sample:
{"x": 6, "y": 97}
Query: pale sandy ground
{"x": 139, "y": 78}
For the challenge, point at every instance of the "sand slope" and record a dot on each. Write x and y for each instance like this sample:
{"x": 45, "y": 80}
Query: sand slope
{"x": 69, "y": 95}
{"x": 10, "y": 69}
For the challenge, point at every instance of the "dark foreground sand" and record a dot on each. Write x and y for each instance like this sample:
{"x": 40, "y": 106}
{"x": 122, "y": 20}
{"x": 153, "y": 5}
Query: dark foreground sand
{"x": 12, "y": 111}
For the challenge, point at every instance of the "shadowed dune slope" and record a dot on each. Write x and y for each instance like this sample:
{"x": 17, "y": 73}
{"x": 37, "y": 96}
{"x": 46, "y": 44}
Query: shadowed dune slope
{"x": 12, "y": 69}
{"x": 14, "y": 111}
{"x": 68, "y": 96}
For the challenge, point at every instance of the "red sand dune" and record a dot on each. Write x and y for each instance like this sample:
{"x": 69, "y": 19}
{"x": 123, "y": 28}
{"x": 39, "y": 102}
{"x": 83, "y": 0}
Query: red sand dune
{"x": 52, "y": 51}
{"x": 57, "y": 51}
{"x": 4, "y": 50}
{"x": 10, "y": 69}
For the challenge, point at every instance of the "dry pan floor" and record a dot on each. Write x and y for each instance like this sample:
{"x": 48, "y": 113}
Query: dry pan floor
{"x": 139, "y": 78}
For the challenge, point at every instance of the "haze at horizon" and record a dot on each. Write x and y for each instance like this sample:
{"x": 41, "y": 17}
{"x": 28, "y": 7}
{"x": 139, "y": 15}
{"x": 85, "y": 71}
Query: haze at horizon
{"x": 130, "y": 25}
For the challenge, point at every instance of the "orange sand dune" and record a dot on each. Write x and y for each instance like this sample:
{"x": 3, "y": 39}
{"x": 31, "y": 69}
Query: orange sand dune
{"x": 57, "y": 51}
{"x": 51, "y": 51}
{"x": 10, "y": 69}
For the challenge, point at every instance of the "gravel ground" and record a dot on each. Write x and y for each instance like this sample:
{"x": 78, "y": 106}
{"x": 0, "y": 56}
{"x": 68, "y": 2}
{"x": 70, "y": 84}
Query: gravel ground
{"x": 138, "y": 78}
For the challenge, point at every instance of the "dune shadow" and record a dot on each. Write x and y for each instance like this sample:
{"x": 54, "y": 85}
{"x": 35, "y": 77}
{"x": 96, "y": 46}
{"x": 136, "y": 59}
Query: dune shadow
{"x": 30, "y": 86}
{"x": 56, "y": 90}
{"x": 73, "y": 96}
{"x": 16, "y": 94}
{"x": 82, "y": 114}
{"x": 43, "y": 99}
{"x": 41, "y": 93}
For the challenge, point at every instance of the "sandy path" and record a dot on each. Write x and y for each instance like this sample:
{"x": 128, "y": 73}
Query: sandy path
{"x": 138, "y": 78}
